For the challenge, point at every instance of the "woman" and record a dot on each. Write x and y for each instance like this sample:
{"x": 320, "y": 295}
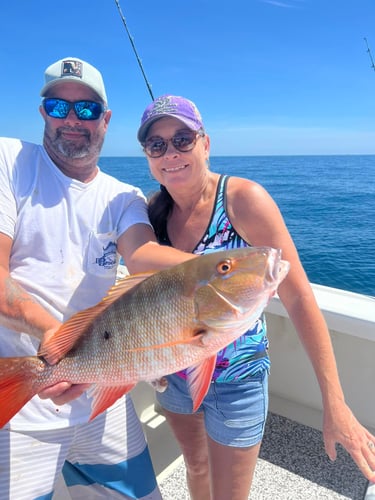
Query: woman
{"x": 199, "y": 211}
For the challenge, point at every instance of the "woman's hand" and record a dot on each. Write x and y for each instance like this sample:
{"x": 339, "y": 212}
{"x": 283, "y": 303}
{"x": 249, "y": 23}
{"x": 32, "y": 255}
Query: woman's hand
{"x": 341, "y": 426}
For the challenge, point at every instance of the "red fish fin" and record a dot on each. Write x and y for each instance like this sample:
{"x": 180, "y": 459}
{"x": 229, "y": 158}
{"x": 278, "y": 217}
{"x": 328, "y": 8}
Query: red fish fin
{"x": 199, "y": 380}
{"x": 17, "y": 377}
{"x": 65, "y": 338}
{"x": 105, "y": 396}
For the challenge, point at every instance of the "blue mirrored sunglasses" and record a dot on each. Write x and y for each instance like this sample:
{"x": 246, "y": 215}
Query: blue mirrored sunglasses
{"x": 84, "y": 110}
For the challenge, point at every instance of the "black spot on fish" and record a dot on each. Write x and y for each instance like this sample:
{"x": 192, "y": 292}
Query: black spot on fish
{"x": 106, "y": 335}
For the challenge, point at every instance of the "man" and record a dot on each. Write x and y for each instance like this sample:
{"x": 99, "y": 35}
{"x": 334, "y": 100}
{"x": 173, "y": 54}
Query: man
{"x": 61, "y": 222}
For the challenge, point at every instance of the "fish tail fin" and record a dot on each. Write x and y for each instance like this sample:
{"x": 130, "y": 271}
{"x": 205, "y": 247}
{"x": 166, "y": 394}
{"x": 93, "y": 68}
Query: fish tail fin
{"x": 17, "y": 384}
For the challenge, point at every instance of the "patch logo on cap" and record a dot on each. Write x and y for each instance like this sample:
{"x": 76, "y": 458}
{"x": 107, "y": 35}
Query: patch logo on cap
{"x": 71, "y": 68}
{"x": 163, "y": 105}
{"x": 170, "y": 105}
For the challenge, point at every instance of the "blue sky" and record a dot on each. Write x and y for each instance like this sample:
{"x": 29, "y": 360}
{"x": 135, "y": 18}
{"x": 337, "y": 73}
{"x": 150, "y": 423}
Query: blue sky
{"x": 270, "y": 77}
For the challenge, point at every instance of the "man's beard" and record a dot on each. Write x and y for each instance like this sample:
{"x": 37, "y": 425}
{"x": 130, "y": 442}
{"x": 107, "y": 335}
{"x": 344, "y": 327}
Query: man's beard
{"x": 80, "y": 148}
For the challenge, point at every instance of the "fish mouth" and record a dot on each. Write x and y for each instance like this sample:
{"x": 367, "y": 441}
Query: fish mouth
{"x": 277, "y": 268}
{"x": 283, "y": 270}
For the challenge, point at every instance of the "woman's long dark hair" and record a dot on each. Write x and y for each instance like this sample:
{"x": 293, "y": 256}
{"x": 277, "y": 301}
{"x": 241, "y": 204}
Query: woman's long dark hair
{"x": 159, "y": 208}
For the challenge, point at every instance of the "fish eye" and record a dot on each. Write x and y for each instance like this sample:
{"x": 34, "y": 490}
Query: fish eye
{"x": 224, "y": 267}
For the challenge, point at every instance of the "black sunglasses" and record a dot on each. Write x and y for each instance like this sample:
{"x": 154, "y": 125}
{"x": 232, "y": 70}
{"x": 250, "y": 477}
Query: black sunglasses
{"x": 183, "y": 141}
{"x": 84, "y": 110}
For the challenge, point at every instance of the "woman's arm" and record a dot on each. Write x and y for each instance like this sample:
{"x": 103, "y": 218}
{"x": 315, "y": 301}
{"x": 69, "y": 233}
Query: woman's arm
{"x": 257, "y": 218}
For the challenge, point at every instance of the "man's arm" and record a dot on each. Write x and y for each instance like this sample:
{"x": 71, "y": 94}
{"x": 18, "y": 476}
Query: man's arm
{"x": 19, "y": 311}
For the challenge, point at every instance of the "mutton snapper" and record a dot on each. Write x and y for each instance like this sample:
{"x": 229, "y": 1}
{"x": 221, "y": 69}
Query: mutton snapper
{"x": 148, "y": 326}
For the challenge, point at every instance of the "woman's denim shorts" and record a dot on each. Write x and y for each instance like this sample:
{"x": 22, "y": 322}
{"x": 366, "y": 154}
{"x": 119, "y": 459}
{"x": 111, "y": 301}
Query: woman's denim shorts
{"x": 234, "y": 412}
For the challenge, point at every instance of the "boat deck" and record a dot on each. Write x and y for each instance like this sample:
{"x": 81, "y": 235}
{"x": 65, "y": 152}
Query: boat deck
{"x": 292, "y": 465}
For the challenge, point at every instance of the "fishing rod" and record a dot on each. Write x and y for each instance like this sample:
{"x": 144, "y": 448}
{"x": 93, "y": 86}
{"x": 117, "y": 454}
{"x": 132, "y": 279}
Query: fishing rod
{"x": 369, "y": 53}
{"x": 134, "y": 49}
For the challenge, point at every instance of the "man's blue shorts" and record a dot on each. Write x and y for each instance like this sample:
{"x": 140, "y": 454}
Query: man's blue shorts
{"x": 235, "y": 412}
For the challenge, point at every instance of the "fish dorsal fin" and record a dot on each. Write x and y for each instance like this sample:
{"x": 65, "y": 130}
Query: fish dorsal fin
{"x": 199, "y": 379}
{"x": 64, "y": 339}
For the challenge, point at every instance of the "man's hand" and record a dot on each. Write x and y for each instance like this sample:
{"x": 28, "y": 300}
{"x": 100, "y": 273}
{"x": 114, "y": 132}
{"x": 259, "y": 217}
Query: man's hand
{"x": 63, "y": 392}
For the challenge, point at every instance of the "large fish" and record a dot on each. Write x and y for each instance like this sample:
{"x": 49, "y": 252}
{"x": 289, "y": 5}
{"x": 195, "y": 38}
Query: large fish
{"x": 149, "y": 326}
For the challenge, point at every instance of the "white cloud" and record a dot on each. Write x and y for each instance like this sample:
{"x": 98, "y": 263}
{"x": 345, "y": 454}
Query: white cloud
{"x": 287, "y": 5}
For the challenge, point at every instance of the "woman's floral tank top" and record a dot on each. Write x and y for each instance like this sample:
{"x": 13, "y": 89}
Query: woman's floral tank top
{"x": 248, "y": 355}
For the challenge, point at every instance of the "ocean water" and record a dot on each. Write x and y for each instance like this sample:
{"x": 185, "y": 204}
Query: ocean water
{"x": 328, "y": 203}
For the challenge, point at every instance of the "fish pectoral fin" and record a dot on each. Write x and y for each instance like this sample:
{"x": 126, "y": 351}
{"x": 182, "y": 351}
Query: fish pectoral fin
{"x": 199, "y": 379}
{"x": 106, "y": 396}
{"x": 199, "y": 338}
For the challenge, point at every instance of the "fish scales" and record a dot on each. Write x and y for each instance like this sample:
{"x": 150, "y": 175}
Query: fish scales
{"x": 121, "y": 354}
{"x": 149, "y": 326}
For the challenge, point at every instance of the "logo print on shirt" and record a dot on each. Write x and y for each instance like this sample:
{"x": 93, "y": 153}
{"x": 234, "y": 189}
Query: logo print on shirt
{"x": 109, "y": 258}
